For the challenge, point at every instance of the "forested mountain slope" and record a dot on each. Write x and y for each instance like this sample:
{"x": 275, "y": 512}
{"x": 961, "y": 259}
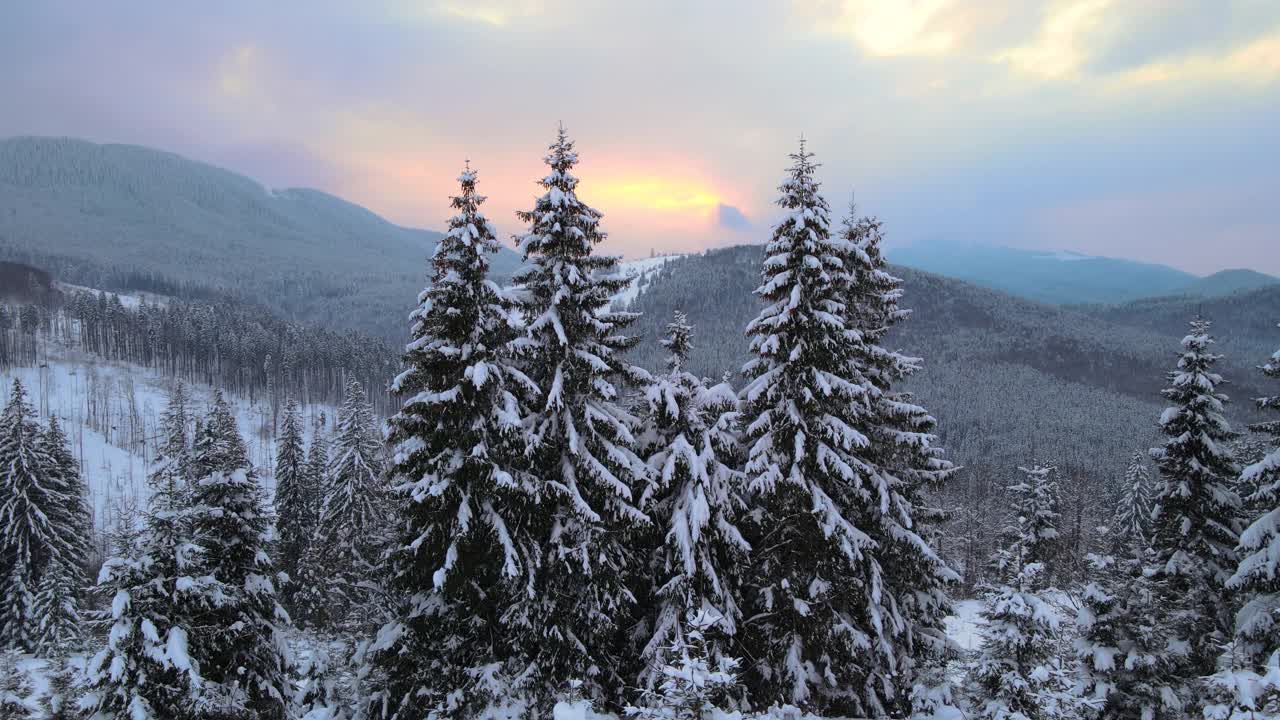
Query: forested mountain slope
{"x": 1051, "y": 277}
{"x": 307, "y": 254}
{"x": 1007, "y": 377}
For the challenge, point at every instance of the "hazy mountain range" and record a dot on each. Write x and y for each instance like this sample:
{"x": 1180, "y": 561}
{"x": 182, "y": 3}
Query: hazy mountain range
{"x": 303, "y": 252}
{"x": 1068, "y": 278}
{"x": 1077, "y": 373}
{"x": 1009, "y": 378}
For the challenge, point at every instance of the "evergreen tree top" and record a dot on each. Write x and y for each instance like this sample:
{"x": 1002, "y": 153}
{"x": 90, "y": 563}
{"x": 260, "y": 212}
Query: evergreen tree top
{"x": 562, "y": 233}
{"x": 679, "y": 340}
{"x": 19, "y": 407}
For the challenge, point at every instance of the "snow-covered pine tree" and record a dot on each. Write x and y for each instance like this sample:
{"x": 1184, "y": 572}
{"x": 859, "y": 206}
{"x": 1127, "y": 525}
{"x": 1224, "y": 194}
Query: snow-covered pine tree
{"x": 1194, "y": 513}
{"x": 580, "y": 442}
{"x": 820, "y": 637}
{"x": 695, "y": 682}
{"x": 902, "y": 519}
{"x": 1133, "y": 516}
{"x": 695, "y": 500}
{"x": 238, "y": 642}
{"x": 316, "y": 469}
{"x": 1032, "y": 530}
{"x": 1257, "y": 578}
{"x": 293, "y": 502}
{"x": 158, "y": 592}
{"x": 463, "y": 548}
{"x": 1119, "y": 645}
{"x": 1017, "y": 675}
{"x": 62, "y": 579}
{"x": 29, "y": 541}
{"x": 351, "y": 534}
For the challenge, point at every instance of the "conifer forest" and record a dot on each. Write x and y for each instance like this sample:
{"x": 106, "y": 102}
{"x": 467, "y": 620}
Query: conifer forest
{"x": 663, "y": 360}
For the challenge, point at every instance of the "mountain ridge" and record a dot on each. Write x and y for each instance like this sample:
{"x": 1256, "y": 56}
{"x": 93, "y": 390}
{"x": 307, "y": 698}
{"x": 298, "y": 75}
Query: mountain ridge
{"x": 1065, "y": 277}
{"x": 308, "y": 254}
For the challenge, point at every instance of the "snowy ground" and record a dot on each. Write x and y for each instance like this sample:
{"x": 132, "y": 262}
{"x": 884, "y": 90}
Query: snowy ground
{"x": 111, "y": 414}
{"x": 639, "y": 271}
{"x": 965, "y": 627}
{"x": 129, "y": 300}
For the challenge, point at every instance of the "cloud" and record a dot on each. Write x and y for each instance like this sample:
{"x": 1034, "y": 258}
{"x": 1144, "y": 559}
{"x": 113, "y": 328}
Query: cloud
{"x": 947, "y": 116}
{"x": 731, "y": 218}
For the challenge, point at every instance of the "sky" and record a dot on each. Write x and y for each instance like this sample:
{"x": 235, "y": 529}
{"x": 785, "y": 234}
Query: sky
{"x": 1147, "y": 129}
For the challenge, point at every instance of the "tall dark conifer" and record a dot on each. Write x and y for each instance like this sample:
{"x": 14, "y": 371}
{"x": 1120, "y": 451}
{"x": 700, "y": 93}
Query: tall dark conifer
{"x": 29, "y": 539}
{"x": 1194, "y": 514}
{"x": 159, "y": 596}
{"x": 238, "y": 643}
{"x": 1251, "y": 682}
{"x": 819, "y": 633}
{"x": 351, "y": 533}
{"x": 696, "y": 499}
{"x": 63, "y": 579}
{"x": 581, "y": 442}
{"x": 463, "y": 549}
{"x": 906, "y": 470}
{"x": 294, "y": 518}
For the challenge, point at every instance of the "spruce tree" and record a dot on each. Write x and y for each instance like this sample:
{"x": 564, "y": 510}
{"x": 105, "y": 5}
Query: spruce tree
{"x": 317, "y": 468}
{"x": 1017, "y": 675}
{"x": 695, "y": 682}
{"x": 350, "y": 536}
{"x": 819, "y": 638}
{"x": 294, "y": 525}
{"x": 1032, "y": 531}
{"x": 696, "y": 499}
{"x": 238, "y": 643}
{"x": 1194, "y": 513}
{"x": 463, "y": 548}
{"x": 159, "y": 596}
{"x": 580, "y": 442}
{"x": 1133, "y": 515}
{"x": 1119, "y": 645}
{"x": 29, "y": 540}
{"x": 1257, "y": 578}
{"x": 903, "y": 519}
{"x": 62, "y": 579}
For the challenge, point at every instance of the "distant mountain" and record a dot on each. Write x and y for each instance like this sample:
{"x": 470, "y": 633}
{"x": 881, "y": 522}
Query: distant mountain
{"x": 303, "y": 252}
{"x": 1007, "y": 377}
{"x": 1228, "y": 282}
{"x": 1061, "y": 278}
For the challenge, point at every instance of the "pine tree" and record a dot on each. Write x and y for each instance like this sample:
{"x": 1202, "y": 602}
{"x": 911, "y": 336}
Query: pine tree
{"x": 1032, "y": 532}
{"x": 29, "y": 541}
{"x": 696, "y": 499}
{"x": 350, "y": 537}
{"x": 158, "y": 591}
{"x": 238, "y": 644}
{"x": 1017, "y": 674}
{"x": 1257, "y": 578}
{"x": 695, "y": 681}
{"x": 580, "y": 441}
{"x": 62, "y": 579}
{"x": 820, "y": 639}
{"x": 1194, "y": 513}
{"x": 463, "y": 548}
{"x": 1119, "y": 647}
{"x": 294, "y": 524}
{"x": 902, "y": 520}
{"x": 1133, "y": 516}
{"x": 316, "y": 469}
